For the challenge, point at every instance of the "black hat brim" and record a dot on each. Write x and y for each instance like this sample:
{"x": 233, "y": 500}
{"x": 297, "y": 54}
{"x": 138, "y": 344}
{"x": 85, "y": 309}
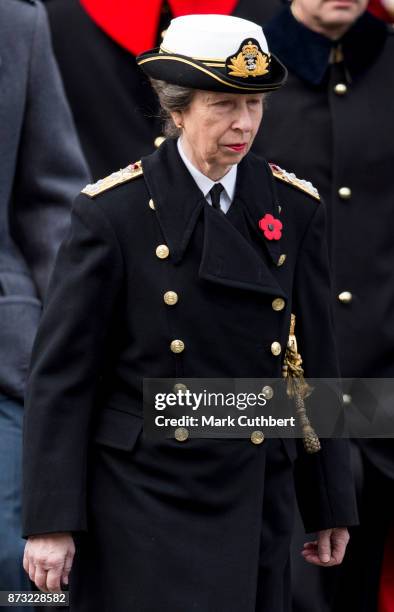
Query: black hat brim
{"x": 212, "y": 76}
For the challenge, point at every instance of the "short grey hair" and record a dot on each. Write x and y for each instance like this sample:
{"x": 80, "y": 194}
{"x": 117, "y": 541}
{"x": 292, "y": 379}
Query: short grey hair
{"x": 172, "y": 98}
{"x": 176, "y": 98}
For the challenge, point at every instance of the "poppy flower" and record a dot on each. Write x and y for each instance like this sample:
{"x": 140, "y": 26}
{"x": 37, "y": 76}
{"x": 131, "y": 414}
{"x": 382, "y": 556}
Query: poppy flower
{"x": 271, "y": 227}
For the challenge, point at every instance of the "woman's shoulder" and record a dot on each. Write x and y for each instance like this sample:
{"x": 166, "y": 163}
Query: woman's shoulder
{"x": 121, "y": 193}
{"x": 115, "y": 179}
{"x": 289, "y": 178}
{"x": 117, "y": 203}
{"x": 296, "y": 190}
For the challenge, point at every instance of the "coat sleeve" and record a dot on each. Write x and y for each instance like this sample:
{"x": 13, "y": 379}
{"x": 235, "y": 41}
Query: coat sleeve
{"x": 67, "y": 358}
{"x": 51, "y": 168}
{"x": 324, "y": 481}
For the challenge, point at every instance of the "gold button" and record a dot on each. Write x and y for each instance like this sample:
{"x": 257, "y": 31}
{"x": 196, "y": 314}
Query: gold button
{"x": 159, "y": 141}
{"x": 163, "y": 33}
{"x": 177, "y": 346}
{"x": 278, "y": 304}
{"x": 281, "y": 260}
{"x": 340, "y": 89}
{"x": 345, "y": 193}
{"x": 268, "y": 392}
{"x": 276, "y": 348}
{"x": 181, "y": 434}
{"x": 345, "y": 297}
{"x": 152, "y": 205}
{"x": 347, "y": 399}
{"x": 170, "y": 298}
{"x": 179, "y": 387}
{"x": 162, "y": 251}
{"x": 257, "y": 437}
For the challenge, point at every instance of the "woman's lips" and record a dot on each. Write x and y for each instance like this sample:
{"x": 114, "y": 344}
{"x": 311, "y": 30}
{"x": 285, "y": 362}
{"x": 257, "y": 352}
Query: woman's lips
{"x": 237, "y": 147}
{"x": 342, "y": 3}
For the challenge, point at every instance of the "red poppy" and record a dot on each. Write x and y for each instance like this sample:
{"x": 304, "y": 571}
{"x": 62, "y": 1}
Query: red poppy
{"x": 271, "y": 227}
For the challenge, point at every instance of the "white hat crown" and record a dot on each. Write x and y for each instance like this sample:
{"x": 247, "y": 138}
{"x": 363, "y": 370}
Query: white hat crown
{"x": 210, "y": 36}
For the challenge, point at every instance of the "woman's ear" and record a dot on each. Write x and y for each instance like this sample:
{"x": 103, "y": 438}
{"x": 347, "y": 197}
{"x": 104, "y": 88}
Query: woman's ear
{"x": 177, "y": 119}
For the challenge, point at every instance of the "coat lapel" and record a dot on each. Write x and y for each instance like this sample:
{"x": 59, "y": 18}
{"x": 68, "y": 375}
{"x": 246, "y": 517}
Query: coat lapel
{"x": 228, "y": 257}
{"x": 256, "y": 191}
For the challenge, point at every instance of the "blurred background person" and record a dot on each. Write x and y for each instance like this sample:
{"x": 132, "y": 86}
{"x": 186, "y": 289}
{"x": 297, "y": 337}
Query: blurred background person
{"x": 41, "y": 170}
{"x": 334, "y": 122}
{"x": 100, "y": 73}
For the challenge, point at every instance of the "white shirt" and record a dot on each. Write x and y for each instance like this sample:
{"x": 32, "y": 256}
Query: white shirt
{"x": 205, "y": 184}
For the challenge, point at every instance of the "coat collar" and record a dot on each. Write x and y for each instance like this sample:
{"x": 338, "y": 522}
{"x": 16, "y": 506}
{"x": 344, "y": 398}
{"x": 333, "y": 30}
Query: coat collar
{"x": 168, "y": 181}
{"x": 228, "y": 256}
{"x": 307, "y": 53}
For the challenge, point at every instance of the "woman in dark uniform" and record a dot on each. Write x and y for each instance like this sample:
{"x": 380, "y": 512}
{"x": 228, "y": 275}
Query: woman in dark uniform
{"x": 186, "y": 264}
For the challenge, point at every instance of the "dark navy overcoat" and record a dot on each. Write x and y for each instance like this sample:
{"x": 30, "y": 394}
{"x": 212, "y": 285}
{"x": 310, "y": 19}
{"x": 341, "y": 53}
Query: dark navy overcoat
{"x": 203, "y": 525}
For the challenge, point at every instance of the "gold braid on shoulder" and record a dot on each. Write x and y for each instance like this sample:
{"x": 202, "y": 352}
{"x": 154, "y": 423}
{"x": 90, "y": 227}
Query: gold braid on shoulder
{"x": 299, "y": 390}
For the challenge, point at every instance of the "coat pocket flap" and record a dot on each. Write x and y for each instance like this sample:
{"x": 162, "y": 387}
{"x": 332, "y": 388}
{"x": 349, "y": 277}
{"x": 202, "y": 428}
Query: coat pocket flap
{"x": 117, "y": 429}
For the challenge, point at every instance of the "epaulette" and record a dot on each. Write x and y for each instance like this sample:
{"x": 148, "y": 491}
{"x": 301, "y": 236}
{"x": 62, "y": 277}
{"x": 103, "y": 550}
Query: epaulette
{"x": 289, "y": 177}
{"x": 116, "y": 178}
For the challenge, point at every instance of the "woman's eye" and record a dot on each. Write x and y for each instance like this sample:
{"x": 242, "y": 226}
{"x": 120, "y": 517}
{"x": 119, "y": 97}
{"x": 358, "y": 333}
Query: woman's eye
{"x": 222, "y": 103}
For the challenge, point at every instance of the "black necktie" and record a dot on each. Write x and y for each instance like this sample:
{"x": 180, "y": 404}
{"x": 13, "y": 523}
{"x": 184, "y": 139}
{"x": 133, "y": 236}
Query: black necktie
{"x": 215, "y": 195}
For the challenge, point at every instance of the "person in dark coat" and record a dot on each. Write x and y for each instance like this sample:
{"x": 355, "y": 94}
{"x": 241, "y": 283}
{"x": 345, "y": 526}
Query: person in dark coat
{"x": 41, "y": 171}
{"x": 182, "y": 265}
{"x": 100, "y": 73}
{"x": 334, "y": 122}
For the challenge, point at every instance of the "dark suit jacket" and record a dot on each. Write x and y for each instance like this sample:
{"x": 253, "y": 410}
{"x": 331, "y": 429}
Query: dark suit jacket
{"x": 106, "y": 328}
{"x": 41, "y": 170}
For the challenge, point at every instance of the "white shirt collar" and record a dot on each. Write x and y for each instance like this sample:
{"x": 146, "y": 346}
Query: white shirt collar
{"x": 204, "y": 183}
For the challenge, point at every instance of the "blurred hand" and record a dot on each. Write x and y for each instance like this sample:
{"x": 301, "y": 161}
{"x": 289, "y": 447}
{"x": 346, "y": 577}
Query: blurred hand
{"x": 329, "y": 548}
{"x": 48, "y": 560}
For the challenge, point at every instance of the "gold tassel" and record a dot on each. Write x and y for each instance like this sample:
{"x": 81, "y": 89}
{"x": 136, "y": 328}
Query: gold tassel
{"x": 298, "y": 388}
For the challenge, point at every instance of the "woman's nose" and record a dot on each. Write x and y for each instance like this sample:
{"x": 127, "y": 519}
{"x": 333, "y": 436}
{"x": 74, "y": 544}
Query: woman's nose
{"x": 243, "y": 121}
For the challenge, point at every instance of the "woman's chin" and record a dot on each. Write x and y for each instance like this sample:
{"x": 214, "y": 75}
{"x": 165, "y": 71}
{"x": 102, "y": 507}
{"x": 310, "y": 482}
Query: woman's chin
{"x": 234, "y": 156}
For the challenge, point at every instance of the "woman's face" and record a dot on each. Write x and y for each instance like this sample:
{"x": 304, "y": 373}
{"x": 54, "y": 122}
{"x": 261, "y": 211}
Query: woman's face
{"x": 218, "y": 129}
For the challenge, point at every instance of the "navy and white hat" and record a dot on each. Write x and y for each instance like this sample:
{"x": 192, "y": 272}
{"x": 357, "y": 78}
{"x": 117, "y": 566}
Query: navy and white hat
{"x": 215, "y": 53}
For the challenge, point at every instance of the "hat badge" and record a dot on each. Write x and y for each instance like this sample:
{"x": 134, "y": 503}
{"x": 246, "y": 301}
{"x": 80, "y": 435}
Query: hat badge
{"x": 249, "y": 61}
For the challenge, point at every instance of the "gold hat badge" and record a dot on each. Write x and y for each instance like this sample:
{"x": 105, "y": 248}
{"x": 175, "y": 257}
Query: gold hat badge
{"x": 250, "y": 61}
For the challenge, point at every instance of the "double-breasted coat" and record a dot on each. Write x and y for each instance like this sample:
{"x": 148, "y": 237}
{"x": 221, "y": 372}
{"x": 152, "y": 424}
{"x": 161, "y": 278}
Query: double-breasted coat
{"x": 202, "y": 525}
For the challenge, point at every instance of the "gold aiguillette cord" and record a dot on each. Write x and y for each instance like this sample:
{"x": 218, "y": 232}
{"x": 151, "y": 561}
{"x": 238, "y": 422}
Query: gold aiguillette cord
{"x": 298, "y": 388}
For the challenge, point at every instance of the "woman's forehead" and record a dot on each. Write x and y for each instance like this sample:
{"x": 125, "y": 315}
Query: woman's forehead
{"x": 211, "y": 96}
